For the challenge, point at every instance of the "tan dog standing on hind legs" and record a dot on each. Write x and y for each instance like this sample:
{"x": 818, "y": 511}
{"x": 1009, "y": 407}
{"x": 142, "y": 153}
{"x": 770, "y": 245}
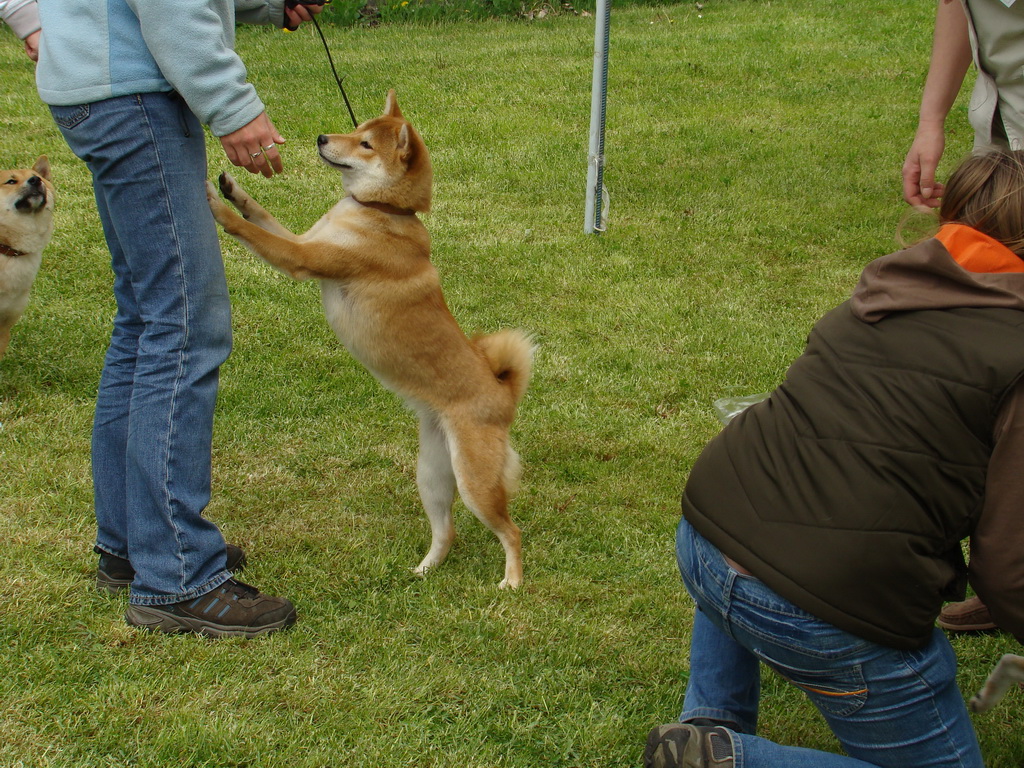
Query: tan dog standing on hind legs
{"x": 26, "y": 225}
{"x": 383, "y": 299}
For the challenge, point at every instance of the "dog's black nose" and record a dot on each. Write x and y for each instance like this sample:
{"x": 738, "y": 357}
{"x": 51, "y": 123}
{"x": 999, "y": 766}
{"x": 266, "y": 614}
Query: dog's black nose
{"x": 321, "y": 140}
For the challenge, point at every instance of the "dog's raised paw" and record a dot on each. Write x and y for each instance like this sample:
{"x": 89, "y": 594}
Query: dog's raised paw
{"x": 227, "y": 186}
{"x": 220, "y": 211}
{"x": 211, "y": 195}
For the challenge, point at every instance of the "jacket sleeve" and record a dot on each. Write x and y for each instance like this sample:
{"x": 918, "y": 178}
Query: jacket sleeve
{"x": 260, "y": 12}
{"x": 997, "y": 545}
{"x": 22, "y": 16}
{"x": 194, "y": 51}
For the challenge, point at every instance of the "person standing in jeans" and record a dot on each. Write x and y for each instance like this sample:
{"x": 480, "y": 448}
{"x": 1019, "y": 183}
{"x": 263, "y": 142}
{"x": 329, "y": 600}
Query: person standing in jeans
{"x": 822, "y": 527}
{"x": 131, "y": 83}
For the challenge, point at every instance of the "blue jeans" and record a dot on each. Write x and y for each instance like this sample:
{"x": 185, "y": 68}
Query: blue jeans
{"x": 890, "y": 708}
{"x": 153, "y": 427}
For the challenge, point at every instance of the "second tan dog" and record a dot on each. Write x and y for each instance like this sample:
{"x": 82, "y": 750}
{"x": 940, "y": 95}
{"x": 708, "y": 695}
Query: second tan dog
{"x": 383, "y": 299}
{"x": 26, "y": 224}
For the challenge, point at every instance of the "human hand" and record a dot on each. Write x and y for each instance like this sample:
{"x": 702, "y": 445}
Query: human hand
{"x": 919, "y": 186}
{"x": 254, "y": 147}
{"x": 296, "y": 12}
{"x": 32, "y": 46}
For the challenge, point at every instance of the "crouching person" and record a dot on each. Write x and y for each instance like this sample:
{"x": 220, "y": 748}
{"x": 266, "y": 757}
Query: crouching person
{"x": 822, "y": 527}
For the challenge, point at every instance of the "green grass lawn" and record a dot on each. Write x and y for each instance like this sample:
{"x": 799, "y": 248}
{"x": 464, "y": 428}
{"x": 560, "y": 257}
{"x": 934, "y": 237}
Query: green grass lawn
{"x": 753, "y": 157}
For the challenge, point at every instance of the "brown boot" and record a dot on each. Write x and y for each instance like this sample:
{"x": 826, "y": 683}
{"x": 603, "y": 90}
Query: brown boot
{"x": 969, "y": 616}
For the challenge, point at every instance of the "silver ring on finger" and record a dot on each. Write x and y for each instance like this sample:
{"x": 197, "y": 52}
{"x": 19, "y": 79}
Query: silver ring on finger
{"x": 254, "y": 155}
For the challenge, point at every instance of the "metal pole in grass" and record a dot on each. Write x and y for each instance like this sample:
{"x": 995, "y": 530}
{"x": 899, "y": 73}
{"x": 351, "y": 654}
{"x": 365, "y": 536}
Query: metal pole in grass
{"x": 594, "y": 222}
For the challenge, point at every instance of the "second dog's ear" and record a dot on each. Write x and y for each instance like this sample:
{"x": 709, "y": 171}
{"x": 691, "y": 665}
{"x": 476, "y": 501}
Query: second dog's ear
{"x": 391, "y": 105}
{"x": 42, "y": 167}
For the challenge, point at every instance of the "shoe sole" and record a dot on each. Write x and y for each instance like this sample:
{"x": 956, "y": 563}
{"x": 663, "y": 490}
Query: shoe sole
{"x": 156, "y": 620}
{"x": 982, "y": 627}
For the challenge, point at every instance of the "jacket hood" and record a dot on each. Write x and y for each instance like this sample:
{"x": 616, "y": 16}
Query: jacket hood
{"x": 926, "y": 276}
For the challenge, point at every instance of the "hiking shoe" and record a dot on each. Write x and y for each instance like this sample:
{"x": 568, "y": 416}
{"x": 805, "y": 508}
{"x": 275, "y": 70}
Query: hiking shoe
{"x": 969, "y": 616}
{"x": 115, "y": 573}
{"x": 233, "y": 609}
{"x": 684, "y": 745}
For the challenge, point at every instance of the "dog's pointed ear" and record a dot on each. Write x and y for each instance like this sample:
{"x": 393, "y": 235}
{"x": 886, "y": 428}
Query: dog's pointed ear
{"x": 42, "y": 167}
{"x": 391, "y": 105}
{"x": 404, "y": 146}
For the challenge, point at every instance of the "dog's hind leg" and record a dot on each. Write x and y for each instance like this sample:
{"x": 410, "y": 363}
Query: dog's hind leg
{"x": 436, "y": 483}
{"x": 5, "y": 339}
{"x": 483, "y": 469}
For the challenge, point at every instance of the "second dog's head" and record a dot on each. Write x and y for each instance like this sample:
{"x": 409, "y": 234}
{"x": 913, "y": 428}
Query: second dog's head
{"x": 26, "y": 206}
{"x": 384, "y": 160}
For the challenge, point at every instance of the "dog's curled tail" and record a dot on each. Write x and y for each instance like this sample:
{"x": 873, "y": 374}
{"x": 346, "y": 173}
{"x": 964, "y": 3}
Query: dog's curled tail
{"x": 510, "y": 354}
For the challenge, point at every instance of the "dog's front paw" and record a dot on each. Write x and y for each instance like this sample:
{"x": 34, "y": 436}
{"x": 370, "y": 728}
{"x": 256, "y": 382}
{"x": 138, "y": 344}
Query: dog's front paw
{"x": 227, "y": 185}
{"x": 237, "y": 196}
{"x": 216, "y": 204}
{"x": 233, "y": 192}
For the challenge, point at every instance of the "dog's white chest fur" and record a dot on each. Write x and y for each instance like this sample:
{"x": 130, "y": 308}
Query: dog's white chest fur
{"x": 356, "y": 323}
{"x": 16, "y": 276}
{"x": 344, "y": 316}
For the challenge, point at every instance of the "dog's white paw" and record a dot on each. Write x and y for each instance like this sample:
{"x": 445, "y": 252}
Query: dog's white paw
{"x": 216, "y": 204}
{"x": 424, "y": 569}
{"x": 232, "y": 192}
{"x": 426, "y": 566}
{"x": 227, "y": 184}
{"x": 510, "y": 583}
{"x": 435, "y": 556}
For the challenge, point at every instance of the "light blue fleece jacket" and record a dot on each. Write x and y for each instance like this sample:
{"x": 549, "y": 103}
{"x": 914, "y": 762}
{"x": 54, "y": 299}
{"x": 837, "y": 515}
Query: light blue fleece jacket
{"x": 92, "y": 50}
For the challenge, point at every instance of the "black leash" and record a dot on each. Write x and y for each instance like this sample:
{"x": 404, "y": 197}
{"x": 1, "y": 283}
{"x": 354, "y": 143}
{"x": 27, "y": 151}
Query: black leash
{"x": 327, "y": 49}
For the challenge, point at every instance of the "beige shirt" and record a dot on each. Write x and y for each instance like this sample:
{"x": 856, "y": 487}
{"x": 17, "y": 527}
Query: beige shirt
{"x": 996, "y": 30}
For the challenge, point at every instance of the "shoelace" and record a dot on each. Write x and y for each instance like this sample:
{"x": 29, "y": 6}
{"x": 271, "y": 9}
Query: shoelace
{"x": 239, "y": 590}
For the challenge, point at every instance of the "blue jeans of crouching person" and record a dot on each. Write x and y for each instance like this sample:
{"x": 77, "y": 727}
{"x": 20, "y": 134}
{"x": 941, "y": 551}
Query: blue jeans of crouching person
{"x": 887, "y": 707}
{"x": 153, "y": 428}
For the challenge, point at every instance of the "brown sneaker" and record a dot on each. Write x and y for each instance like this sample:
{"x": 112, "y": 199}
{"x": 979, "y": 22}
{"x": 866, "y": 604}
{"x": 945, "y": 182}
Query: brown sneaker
{"x": 233, "y": 609}
{"x": 969, "y": 616}
{"x": 114, "y": 573}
